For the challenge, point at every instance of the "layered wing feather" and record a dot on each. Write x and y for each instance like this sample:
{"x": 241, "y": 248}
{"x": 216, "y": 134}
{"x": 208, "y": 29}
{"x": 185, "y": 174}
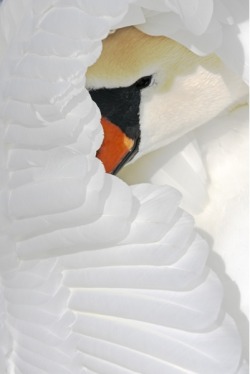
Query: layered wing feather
{"x": 96, "y": 276}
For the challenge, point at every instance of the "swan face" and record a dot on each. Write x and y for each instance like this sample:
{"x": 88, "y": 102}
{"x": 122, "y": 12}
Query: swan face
{"x": 154, "y": 90}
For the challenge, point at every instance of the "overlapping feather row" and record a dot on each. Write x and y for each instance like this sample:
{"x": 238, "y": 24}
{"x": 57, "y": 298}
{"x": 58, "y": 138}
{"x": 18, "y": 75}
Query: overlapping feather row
{"x": 96, "y": 277}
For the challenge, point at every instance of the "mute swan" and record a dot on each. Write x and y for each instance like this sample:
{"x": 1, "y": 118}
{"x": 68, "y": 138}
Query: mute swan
{"x": 96, "y": 276}
{"x": 156, "y": 90}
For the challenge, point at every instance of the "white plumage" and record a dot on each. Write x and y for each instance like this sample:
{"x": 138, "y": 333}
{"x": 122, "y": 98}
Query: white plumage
{"x": 96, "y": 276}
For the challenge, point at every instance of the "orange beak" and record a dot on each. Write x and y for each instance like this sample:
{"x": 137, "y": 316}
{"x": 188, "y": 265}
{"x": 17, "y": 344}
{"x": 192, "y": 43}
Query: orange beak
{"x": 115, "y": 148}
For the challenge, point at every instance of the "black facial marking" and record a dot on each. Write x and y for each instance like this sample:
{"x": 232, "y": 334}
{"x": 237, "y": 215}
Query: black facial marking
{"x": 121, "y": 106}
{"x": 143, "y": 82}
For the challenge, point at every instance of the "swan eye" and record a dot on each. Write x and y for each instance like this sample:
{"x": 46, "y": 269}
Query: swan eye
{"x": 143, "y": 82}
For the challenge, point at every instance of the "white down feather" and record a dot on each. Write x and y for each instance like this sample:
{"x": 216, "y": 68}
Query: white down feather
{"x": 96, "y": 276}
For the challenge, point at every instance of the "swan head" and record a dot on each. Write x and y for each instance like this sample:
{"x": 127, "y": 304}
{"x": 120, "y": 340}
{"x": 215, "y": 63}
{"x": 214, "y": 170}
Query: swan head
{"x": 151, "y": 90}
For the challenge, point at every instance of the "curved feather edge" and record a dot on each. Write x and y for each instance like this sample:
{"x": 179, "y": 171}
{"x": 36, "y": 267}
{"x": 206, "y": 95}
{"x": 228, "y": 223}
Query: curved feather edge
{"x": 123, "y": 288}
{"x": 203, "y": 27}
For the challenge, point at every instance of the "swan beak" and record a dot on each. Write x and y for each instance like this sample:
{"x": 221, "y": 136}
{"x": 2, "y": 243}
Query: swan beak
{"x": 117, "y": 148}
{"x": 119, "y": 109}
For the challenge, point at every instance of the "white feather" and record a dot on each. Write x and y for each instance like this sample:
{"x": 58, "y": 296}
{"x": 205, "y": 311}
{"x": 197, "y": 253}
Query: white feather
{"x": 204, "y": 27}
{"x": 180, "y": 165}
{"x": 96, "y": 276}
